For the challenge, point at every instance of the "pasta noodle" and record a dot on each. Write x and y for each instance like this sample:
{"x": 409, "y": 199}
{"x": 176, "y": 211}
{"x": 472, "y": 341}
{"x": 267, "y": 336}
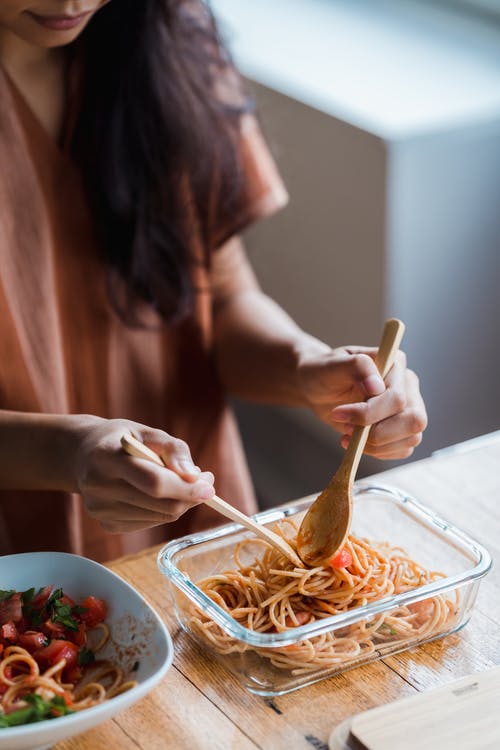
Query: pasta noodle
{"x": 271, "y": 596}
{"x": 49, "y": 671}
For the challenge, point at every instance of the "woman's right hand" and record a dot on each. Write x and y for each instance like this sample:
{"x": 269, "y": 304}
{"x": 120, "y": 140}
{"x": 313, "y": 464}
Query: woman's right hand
{"x": 125, "y": 493}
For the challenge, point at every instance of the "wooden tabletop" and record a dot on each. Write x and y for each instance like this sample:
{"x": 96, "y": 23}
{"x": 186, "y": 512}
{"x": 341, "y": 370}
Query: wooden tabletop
{"x": 201, "y": 705}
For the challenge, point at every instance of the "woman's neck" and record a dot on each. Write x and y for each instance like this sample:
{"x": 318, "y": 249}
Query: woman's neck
{"x": 38, "y": 73}
{"x": 19, "y": 57}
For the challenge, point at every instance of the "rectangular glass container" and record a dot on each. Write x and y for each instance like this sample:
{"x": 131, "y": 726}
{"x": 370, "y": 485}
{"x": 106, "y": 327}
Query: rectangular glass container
{"x": 381, "y": 514}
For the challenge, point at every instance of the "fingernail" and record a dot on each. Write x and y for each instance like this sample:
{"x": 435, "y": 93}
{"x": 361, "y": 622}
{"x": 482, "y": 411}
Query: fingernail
{"x": 339, "y": 415}
{"x": 204, "y": 491}
{"x": 188, "y": 468}
{"x": 344, "y": 442}
{"x": 373, "y": 385}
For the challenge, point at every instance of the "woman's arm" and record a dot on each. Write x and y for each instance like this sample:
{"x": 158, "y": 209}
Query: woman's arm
{"x": 82, "y": 453}
{"x": 263, "y": 355}
{"x": 258, "y": 345}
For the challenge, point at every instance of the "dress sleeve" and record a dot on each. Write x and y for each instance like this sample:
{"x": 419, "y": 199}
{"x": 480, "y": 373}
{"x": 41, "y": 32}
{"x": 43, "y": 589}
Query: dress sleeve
{"x": 263, "y": 192}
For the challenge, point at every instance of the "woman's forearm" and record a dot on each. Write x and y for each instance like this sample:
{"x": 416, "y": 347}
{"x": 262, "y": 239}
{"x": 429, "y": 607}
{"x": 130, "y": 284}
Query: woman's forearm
{"x": 259, "y": 348}
{"x": 36, "y": 448}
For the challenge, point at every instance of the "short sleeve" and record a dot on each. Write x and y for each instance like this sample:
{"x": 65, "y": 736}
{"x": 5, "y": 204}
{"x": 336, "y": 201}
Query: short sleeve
{"x": 263, "y": 192}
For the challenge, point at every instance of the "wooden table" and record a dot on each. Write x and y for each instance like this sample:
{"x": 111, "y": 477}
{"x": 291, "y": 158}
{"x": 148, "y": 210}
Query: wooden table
{"x": 200, "y": 705}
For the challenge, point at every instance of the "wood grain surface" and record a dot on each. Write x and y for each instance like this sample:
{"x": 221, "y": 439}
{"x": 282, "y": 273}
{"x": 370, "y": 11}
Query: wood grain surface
{"x": 201, "y": 705}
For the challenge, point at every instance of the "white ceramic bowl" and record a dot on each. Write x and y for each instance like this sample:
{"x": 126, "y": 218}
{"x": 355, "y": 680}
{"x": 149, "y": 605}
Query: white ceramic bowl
{"x": 137, "y": 633}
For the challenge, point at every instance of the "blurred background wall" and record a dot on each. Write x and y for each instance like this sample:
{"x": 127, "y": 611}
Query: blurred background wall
{"x": 384, "y": 118}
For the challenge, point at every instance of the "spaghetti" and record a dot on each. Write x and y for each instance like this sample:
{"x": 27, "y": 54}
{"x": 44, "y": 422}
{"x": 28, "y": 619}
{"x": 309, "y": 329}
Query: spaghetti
{"x": 48, "y": 647}
{"x": 271, "y": 596}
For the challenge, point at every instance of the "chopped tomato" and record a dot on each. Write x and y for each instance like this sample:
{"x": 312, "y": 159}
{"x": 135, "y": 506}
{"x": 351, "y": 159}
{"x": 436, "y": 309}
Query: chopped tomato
{"x": 11, "y": 609}
{"x": 40, "y": 600}
{"x": 96, "y": 611}
{"x": 57, "y": 650}
{"x": 9, "y": 631}
{"x": 341, "y": 560}
{"x": 301, "y": 617}
{"x": 31, "y": 640}
{"x": 23, "y": 625}
{"x": 53, "y": 629}
{"x": 74, "y": 674}
{"x": 423, "y": 610}
{"x": 79, "y": 636}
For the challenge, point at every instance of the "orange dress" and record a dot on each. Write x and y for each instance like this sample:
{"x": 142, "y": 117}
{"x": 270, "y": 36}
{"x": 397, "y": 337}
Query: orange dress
{"x": 64, "y": 351}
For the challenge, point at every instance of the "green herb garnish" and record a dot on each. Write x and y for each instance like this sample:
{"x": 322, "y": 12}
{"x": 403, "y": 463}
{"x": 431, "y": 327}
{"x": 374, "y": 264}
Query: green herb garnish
{"x": 27, "y": 596}
{"x": 60, "y": 612}
{"x": 6, "y": 594}
{"x": 385, "y": 626}
{"x": 36, "y": 710}
{"x": 85, "y": 656}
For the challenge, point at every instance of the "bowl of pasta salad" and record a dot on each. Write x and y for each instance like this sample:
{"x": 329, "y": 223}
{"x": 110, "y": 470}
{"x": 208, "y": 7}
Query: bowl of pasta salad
{"x": 77, "y": 645}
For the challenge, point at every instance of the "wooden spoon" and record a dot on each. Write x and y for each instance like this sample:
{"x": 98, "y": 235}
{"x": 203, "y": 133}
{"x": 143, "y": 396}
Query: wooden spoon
{"x": 135, "y": 448}
{"x": 326, "y": 524}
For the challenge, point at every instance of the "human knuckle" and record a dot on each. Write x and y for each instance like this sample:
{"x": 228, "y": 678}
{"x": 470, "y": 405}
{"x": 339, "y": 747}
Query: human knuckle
{"x": 416, "y": 420}
{"x": 401, "y": 358}
{"x": 407, "y": 451}
{"x": 415, "y": 439}
{"x": 413, "y": 378}
{"x": 375, "y": 437}
{"x": 180, "y": 445}
{"x": 194, "y": 491}
{"x": 399, "y": 400}
{"x": 362, "y": 363}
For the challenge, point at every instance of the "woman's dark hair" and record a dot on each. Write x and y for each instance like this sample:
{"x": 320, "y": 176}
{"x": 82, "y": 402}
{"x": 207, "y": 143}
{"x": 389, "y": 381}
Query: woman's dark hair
{"x": 156, "y": 138}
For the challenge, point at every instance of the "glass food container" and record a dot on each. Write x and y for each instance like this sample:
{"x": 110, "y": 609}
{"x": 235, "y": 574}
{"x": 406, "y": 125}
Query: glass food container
{"x": 381, "y": 514}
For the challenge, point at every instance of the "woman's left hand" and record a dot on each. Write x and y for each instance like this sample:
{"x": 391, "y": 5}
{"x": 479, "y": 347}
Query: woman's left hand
{"x": 344, "y": 389}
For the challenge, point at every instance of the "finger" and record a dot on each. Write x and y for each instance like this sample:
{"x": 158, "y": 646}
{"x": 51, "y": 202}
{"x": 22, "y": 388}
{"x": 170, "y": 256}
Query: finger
{"x": 397, "y": 450}
{"x": 206, "y": 476}
{"x": 112, "y": 511}
{"x": 412, "y": 421}
{"x": 361, "y": 372}
{"x": 343, "y": 378}
{"x": 174, "y": 452}
{"x": 159, "y": 483}
{"x": 120, "y": 492}
{"x": 377, "y": 408}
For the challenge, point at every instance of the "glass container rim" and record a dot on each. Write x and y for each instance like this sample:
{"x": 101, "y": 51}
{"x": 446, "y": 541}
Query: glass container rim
{"x": 453, "y": 535}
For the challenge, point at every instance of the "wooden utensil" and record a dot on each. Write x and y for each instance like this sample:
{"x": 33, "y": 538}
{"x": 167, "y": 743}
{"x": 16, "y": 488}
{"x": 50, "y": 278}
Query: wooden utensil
{"x": 326, "y": 524}
{"x": 460, "y": 716}
{"x": 135, "y": 448}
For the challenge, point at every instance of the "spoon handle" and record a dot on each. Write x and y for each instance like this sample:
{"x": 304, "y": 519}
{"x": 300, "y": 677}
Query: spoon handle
{"x": 135, "y": 448}
{"x": 384, "y": 359}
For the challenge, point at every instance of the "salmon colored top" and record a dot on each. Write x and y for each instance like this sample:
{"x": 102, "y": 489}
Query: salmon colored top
{"x": 63, "y": 349}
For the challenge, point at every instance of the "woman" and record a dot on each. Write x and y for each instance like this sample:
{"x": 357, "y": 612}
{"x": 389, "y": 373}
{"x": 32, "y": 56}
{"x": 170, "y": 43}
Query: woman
{"x": 129, "y": 163}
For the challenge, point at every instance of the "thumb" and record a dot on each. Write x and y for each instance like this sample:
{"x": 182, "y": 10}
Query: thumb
{"x": 365, "y": 373}
{"x": 174, "y": 453}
